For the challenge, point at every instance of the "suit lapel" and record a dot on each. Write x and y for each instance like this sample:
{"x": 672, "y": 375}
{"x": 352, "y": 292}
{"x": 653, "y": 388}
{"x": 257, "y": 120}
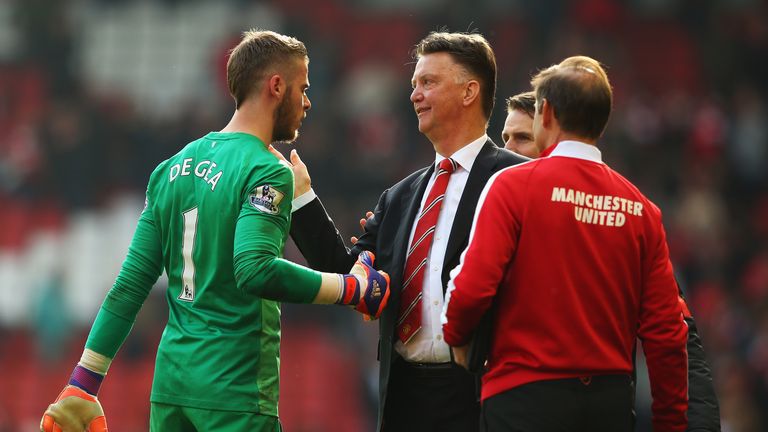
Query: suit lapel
{"x": 410, "y": 202}
{"x": 482, "y": 170}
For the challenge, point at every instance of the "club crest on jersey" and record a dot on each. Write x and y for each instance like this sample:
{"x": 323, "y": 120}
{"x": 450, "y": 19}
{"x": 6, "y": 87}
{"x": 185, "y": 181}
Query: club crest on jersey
{"x": 266, "y": 199}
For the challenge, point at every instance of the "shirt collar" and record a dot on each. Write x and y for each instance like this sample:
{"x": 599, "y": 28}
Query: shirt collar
{"x": 466, "y": 155}
{"x": 576, "y": 149}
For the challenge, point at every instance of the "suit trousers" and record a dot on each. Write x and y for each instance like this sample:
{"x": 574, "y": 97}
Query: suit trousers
{"x": 601, "y": 403}
{"x": 430, "y": 398}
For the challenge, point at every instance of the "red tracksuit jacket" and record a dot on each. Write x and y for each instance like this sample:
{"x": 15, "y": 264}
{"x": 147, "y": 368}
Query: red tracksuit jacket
{"x": 576, "y": 260}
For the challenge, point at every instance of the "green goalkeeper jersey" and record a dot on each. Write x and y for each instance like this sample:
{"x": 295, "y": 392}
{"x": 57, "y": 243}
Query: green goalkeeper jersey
{"x": 216, "y": 218}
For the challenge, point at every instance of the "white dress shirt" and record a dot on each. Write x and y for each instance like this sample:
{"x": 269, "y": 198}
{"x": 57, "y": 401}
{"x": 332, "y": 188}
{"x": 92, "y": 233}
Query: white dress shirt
{"x": 427, "y": 345}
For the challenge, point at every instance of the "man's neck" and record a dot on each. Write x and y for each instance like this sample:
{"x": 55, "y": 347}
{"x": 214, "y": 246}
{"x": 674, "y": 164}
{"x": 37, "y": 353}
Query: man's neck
{"x": 243, "y": 121}
{"x": 567, "y": 136}
{"x": 454, "y": 141}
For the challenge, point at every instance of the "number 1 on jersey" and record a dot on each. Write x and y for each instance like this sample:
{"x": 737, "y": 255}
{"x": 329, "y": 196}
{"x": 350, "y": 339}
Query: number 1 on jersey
{"x": 187, "y": 246}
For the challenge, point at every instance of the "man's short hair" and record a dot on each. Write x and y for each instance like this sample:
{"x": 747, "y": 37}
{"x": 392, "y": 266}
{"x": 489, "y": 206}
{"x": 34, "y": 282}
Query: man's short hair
{"x": 258, "y": 54}
{"x": 579, "y": 93}
{"x": 473, "y": 52}
{"x": 525, "y": 102}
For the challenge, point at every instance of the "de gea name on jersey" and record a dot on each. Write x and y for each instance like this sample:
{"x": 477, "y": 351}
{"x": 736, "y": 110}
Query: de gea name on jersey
{"x": 204, "y": 170}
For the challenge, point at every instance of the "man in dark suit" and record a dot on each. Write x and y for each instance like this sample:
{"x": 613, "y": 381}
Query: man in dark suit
{"x": 429, "y": 213}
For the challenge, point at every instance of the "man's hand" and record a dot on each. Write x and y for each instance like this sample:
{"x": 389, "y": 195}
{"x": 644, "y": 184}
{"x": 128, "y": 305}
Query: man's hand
{"x": 302, "y": 183}
{"x": 74, "y": 411}
{"x": 368, "y": 214}
{"x": 461, "y": 355}
{"x": 374, "y": 285}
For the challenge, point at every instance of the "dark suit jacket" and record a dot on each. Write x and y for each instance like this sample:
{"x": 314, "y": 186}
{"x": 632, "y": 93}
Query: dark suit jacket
{"x": 386, "y": 235}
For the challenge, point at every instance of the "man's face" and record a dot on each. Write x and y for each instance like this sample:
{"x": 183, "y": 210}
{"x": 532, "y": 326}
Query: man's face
{"x": 518, "y": 134}
{"x": 438, "y": 90}
{"x": 294, "y": 106}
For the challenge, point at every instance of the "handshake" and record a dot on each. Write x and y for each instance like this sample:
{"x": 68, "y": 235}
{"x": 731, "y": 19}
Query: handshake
{"x": 365, "y": 288}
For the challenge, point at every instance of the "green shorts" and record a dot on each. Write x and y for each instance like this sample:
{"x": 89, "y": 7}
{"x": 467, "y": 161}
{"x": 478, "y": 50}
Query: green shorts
{"x": 175, "y": 418}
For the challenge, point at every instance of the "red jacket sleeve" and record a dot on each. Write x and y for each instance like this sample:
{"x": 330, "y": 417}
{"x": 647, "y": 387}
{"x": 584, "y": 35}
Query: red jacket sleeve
{"x": 492, "y": 244}
{"x": 664, "y": 333}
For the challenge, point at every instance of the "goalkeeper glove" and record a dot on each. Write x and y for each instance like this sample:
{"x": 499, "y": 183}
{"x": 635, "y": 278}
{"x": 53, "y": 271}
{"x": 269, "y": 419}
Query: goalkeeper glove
{"x": 74, "y": 410}
{"x": 375, "y": 294}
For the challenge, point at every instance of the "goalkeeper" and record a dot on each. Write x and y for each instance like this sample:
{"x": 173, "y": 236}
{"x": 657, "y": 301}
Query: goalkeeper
{"x": 216, "y": 220}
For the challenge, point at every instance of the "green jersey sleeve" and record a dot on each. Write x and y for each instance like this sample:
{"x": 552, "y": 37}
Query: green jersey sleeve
{"x": 260, "y": 235}
{"x": 141, "y": 269}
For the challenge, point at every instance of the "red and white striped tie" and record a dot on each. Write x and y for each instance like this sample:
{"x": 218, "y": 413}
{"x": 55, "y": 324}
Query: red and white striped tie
{"x": 409, "y": 318}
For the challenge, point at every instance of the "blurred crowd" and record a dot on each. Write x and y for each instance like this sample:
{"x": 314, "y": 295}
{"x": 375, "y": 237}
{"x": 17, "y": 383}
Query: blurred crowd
{"x": 93, "y": 94}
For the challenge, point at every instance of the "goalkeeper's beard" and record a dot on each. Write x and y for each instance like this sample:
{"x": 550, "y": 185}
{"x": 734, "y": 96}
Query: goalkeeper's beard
{"x": 286, "y": 130}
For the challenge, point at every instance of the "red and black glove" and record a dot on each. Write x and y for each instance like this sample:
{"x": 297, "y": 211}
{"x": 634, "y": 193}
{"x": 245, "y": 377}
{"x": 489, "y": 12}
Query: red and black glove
{"x": 370, "y": 299}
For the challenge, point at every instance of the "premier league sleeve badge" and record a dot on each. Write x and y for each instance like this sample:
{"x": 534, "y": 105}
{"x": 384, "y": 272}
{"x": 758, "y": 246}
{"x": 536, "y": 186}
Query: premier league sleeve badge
{"x": 266, "y": 199}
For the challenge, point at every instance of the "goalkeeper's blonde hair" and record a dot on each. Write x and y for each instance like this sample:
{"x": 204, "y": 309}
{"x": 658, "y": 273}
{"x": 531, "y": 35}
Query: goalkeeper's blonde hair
{"x": 260, "y": 53}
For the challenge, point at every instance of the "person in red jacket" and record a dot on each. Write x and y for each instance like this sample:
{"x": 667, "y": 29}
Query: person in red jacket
{"x": 575, "y": 259}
